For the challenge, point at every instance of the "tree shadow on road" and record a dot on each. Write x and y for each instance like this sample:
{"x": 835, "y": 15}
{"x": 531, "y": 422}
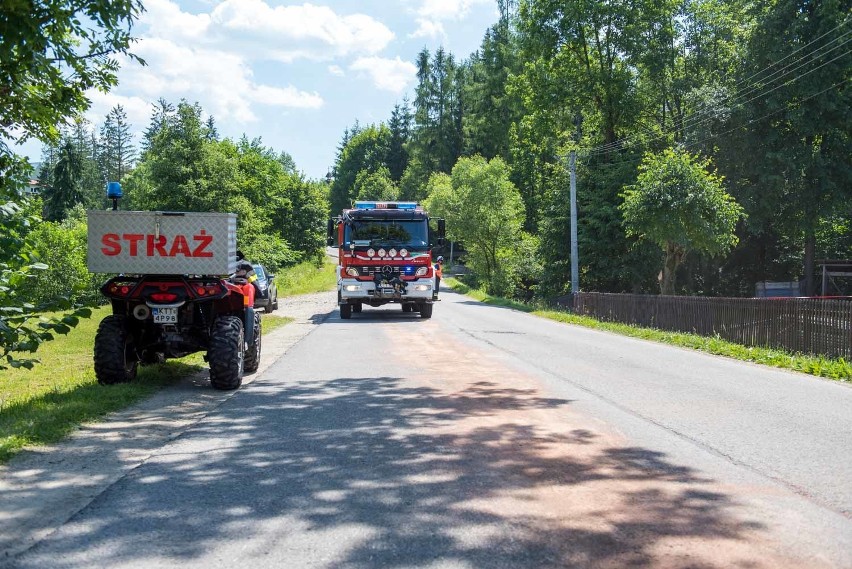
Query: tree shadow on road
{"x": 383, "y": 474}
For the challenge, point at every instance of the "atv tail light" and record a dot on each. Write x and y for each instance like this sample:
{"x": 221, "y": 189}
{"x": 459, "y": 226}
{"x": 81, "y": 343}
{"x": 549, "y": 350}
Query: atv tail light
{"x": 164, "y": 297}
{"x": 119, "y": 289}
{"x": 207, "y": 290}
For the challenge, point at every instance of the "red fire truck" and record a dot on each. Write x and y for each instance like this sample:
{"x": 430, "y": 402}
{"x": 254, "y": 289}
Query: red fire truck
{"x": 385, "y": 255}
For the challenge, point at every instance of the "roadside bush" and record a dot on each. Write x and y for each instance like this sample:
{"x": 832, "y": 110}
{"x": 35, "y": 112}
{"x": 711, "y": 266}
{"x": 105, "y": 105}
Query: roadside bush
{"x": 62, "y": 247}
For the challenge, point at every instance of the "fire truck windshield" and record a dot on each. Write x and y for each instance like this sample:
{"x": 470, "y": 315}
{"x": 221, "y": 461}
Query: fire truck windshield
{"x": 413, "y": 234}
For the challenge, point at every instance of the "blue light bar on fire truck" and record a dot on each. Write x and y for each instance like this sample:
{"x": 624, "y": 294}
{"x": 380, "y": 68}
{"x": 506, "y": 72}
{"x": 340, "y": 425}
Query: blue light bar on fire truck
{"x": 386, "y": 205}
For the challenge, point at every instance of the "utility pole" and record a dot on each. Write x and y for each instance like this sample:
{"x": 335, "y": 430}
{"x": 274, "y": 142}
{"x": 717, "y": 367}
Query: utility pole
{"x": 575, "y": 261}
{"x": 575, "y": 253}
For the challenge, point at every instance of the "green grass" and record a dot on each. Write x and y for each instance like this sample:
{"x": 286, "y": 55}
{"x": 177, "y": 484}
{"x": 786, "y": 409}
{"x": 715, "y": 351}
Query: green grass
{"x": 43, "y": 405}
{"x": 838, "y": 369}
{"x": 306, "y": 278}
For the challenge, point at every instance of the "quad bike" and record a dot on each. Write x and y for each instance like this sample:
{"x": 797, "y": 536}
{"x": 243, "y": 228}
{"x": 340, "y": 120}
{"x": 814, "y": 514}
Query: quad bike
{"x": 156, "y": 317}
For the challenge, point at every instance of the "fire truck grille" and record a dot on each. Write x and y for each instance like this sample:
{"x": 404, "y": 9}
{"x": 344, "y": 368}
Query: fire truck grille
{"x": 384, "y": 270}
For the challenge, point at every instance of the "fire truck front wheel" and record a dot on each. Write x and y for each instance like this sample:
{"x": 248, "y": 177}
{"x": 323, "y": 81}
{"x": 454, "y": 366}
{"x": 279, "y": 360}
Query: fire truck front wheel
{"x": 346, "y": 311}
{"x": 225, "y": 353}
{"x": 426, "y": 310}
{"x": 115, "y": 359}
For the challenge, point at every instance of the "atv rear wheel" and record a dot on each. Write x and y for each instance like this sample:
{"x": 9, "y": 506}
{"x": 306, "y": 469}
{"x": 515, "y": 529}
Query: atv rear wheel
{"x": 115, "y": 359}
{"x": 225, "y": 354}
{"x": 252, "y": 357}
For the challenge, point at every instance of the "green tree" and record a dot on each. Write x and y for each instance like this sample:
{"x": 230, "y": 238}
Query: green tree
{"x": 376, "y": 185}
{"x": 483, "y": 210}
{"x": 117, "y": 151}
{"x": 65, "y": 192}
{"x": 791, "y": 139}
{"x": 367, "y": 150}
{"x": 400, "y": 125}
{"x": 678, "y": 204}
{"x": 51, "y": 53}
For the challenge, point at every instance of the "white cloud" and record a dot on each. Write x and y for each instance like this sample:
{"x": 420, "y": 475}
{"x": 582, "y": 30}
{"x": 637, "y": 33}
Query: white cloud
{"x": 284, "y": 97}
{"x": 336, "y": 70}
{"x": 260, "y": 31}
{"x": 221, "y": 82}
{"x": 387, "y": 74}
{"x": 428, "y": 29}
{"x": 447, "y": 9}
{"x": 138, "y": 110}
{"x": 288, "y": 33}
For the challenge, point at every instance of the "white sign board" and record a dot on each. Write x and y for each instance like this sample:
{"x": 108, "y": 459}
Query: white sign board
{"x": 162, "y": 243}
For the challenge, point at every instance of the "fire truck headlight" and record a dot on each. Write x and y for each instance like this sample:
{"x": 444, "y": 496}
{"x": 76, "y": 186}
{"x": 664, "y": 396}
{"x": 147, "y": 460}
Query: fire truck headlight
{"x": 352, "y": 272}
{"x": 352, "y": 288}
{"x": 421, "y": 271}
{"x": 422, "y": 287}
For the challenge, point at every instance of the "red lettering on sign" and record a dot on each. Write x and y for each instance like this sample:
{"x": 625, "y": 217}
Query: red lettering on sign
{"x": 133, "y": 239}
{"x": 159, "y": 245}
{"x": 180, "y": 247}
{"x": 206, "y": 240}
{"x": 111, "y": 247}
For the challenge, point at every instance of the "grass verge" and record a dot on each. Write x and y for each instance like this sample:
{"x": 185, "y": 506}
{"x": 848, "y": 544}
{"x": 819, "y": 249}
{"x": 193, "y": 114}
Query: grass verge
{"x": 306, "y": 278}
{"x": 838, "y": 369}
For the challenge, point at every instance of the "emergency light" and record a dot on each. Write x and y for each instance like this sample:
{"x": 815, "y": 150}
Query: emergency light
{"x": 113, "y": 190}
{"x": 386, "y": 205}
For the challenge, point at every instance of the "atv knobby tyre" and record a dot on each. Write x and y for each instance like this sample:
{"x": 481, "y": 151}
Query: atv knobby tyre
{"x": 252, "y": 357}
{"x": 115, "y": 359}
{"x": 225, "y": 354}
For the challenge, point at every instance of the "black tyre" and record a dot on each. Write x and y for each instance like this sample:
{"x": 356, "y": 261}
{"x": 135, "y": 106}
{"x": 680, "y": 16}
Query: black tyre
{"x": 225, "y": 354}
{"x": 252, "y": 355}
{"x": 115, "y": 358}
{"x": 406, "y": 308}
{"x": 426, "y": 310}
{"x": 346, "y": 311}
{"x": 275, "y": 303}
{"x": 357, "y": 308}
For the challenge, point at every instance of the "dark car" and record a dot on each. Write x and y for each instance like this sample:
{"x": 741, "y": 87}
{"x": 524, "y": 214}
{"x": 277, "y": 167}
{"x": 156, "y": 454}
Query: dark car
{"x": 268, "y": 297}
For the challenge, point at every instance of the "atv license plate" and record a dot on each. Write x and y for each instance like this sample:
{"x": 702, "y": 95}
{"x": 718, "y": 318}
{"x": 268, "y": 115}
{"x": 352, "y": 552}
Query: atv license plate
{"x": 164, "y": 315}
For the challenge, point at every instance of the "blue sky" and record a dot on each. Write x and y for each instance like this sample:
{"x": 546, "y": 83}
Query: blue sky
{"x": 295, "y": 74}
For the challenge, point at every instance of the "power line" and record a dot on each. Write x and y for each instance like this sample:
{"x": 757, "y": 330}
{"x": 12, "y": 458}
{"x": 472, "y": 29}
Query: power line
{"x": 751, "y": 121}
{"x": 758, "y": 96}
{"x": 697, "y": 118}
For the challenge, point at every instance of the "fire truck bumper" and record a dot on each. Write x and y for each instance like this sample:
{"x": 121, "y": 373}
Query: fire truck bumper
{"x": 354, "y": 290}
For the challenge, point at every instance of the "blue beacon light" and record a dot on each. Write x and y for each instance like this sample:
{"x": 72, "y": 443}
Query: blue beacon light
{"x": 114, "y": 193}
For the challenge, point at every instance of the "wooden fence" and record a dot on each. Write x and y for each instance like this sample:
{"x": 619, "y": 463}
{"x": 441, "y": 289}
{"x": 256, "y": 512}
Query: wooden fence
{"x": 806, "y": 325}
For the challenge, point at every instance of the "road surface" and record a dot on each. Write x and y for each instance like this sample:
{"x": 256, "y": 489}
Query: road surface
{"x": 483, "y": 437}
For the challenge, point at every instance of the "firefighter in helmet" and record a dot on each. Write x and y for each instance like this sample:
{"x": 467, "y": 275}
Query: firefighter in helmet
{"x": 439, "y": 262}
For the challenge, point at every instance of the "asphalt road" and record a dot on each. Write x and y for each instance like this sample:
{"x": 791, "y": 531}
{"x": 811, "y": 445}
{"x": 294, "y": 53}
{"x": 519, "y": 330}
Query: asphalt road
{"x": 483, "y": 437}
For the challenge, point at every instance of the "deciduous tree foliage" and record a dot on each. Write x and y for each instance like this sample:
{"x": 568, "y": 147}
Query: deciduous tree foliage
{"x": 280, "y": 214}
{"x": 681, "y": 206}
{"x": 483, "y": 209}
{"x": 51, "y": 53}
